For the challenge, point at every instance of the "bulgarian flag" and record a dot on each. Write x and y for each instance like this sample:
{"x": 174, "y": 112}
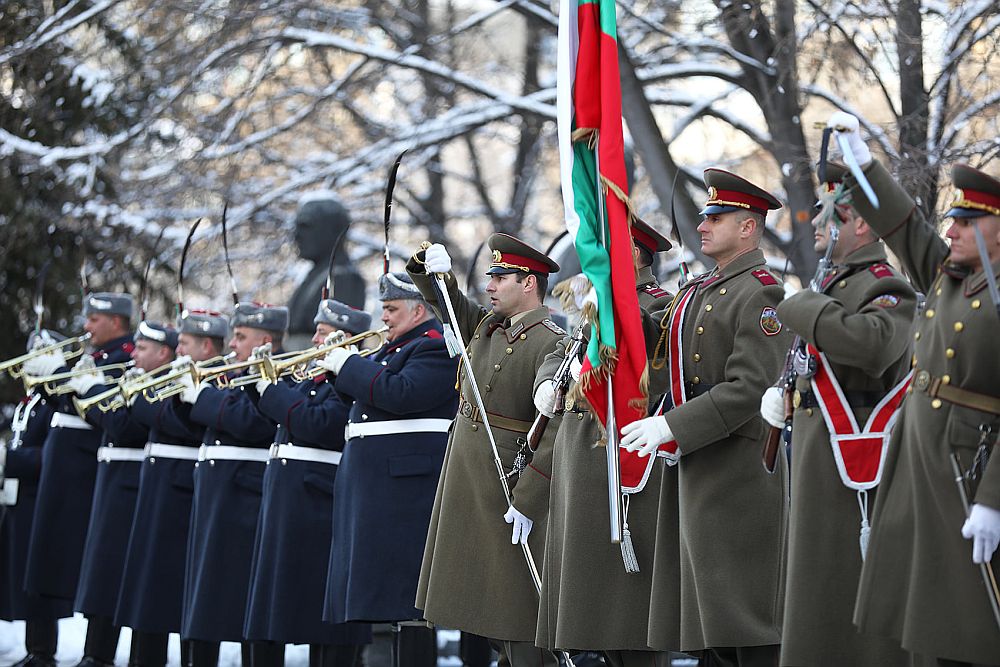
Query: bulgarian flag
{"x": 595, "y": 195}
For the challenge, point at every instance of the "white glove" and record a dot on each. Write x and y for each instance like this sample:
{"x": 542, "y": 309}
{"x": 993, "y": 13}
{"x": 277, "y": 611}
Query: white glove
{"x": 983, "y": 528}
{"x": 437, "y": 259}
{"x": 84, "y": 363}
{"x": 262, "y": 385}
{"x": 790, "y": 290}
{"x": 336, "y": 358}
{"x": 545, "y": 399}
{"x": 191, "y": 390}
{"x": 646, "y": 435}
{"x": 522, "y": 525}
{"x": 583, "y": 291}
{"x": 81, "y": 384}
{"x": 260, "y": 352}
{"x": 575, "y": 368}
{"x": 182, "y": 361}
{"x": 847, "y": 125}
{"x": 772, "y": 407}
{"x": 44, "y": 364}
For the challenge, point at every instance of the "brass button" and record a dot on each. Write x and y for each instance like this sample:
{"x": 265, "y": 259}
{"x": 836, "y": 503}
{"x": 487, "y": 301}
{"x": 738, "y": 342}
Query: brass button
{"x": 476, "y": 336}
{"x": 523, "y": 336}
{"x": 697, "y": 357}
{"x": 475, "y": 427}
{"x": 909, "y": 390}
{"x": 959, "y": 326}
{"x": 936, "y": 403}
{"x": 496, "y": 367}
{"x": 700, "y": 330}
{"x": 976, "y": 303}
{"x": 487, "y": 387}
{"x": 945, "y": 379}
{"x": 708, "y": 308}
{"x": 842, "y": 283}
{"x": 913, "y": 361}
{"x": 696, "y": 380}
{"x": 929, "y": 314}
{"x": 950, "y": 353}
{"x": 796, "y": 399}
{"x": 510, "y": 350}
{"x": 938, "y": 291}
{"x": 723, "y": 290}
{"x": 579, "y": 415}
{"x": 916, "y": 336}
{"x": 809, "y": 412}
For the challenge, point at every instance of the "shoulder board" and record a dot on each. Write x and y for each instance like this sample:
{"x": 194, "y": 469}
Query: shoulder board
{"x": 764, "y": 277}
{"x": 655, "y": 290}
{"x": 433, "y": 333}
{"x": 553, "y": 327}
{"x": 881, "y": 270}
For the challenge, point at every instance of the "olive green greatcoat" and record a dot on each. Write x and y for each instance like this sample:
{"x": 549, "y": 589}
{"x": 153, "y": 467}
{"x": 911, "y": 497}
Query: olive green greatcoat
{"x": 862, "y": 323}
{"x": 588, "y": 602}
{"x": 472, "y": 577}
{"x": 919, "y": 584}
{"x": 732, "y": 513}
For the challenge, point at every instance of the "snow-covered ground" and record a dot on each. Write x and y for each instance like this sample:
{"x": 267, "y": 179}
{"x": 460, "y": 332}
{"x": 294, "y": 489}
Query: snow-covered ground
{"x": 72, "y": 632}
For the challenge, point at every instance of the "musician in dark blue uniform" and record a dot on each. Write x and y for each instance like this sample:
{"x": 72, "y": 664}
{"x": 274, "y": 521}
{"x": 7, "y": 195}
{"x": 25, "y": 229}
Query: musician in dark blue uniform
{"x": 69, "y": 468}
{"x": 404, "y": 400}
{"x": 21, "y": 465}
{"x": 153, "y": 580}
{"x": 227, "y": 490}
{"x": 115, "y": 490}
{"x": 296, "y": 515}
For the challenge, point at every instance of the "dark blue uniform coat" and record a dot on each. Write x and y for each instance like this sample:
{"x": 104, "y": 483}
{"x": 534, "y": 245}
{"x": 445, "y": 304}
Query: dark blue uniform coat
{"x": 152, "y": 588}
{"x": 386, "y": 484}
{"x": 24, "y": 464}
{"x": 295, "y": 526}
{"x": 65, "y": 495}
{"x": 115, "y": 493}
{"x": 223, "y": 516}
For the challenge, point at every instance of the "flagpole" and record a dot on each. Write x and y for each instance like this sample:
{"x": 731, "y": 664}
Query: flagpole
{"x": 615, "y": 501}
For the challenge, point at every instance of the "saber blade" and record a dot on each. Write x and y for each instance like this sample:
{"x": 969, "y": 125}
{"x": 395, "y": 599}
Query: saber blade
{"x": 852, "y": 164}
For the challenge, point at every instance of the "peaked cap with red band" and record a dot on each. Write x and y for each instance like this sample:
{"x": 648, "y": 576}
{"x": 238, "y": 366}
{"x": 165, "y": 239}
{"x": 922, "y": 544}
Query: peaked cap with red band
{"x": 511, "y": 255}
{"x": 649, "y": 238}
{"x": 976, "y": 193}
{"x": 728, "y": 192}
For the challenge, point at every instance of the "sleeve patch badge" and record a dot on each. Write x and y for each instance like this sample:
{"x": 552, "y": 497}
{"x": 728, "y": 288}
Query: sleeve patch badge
{"x": 769, "y": 322}
{"x": 885, "y": 301}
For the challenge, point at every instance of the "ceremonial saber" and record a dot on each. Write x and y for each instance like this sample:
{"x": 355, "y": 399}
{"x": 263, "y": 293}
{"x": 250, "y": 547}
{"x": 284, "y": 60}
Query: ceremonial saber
{"x": 852, "y": 164}
{"x": 985, "y": 569}
{"x": 984, "y": 258}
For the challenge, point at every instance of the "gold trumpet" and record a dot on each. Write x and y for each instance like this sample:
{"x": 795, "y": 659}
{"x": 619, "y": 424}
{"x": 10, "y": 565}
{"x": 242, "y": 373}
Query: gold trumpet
{"x": 14, "y": 367}
{"x": 106, "y": 401}
{"x": 165, "y": 385}
{"x": 298, "y": 365}
{"x": 55, "y": 384}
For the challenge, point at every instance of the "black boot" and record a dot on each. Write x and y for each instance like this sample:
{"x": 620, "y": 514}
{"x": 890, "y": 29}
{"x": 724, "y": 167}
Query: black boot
{"x": 102, "y": 642}
{"x": 149, "y": 649}
{"x": 334, "y": 655}
{"x": 415, "y": 646}
{"x": 263, "y": 654}
{"x": 200, "y": 653}
{"x": 475, "y": 651}
{"x": 40, "y": 639}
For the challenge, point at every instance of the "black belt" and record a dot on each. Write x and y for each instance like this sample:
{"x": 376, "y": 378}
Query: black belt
{"x": 856, "y": 399}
